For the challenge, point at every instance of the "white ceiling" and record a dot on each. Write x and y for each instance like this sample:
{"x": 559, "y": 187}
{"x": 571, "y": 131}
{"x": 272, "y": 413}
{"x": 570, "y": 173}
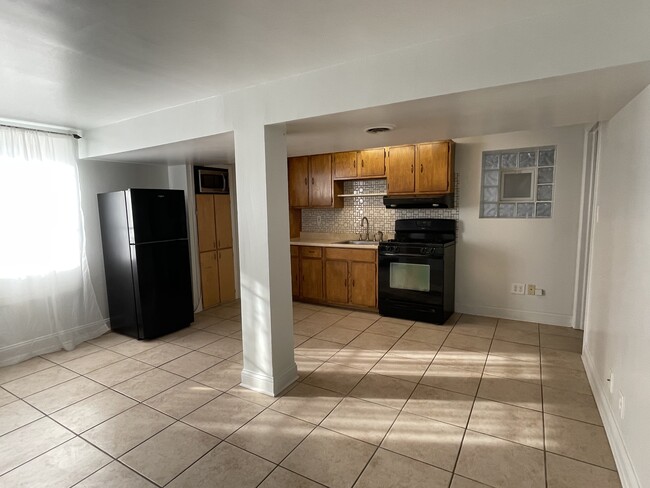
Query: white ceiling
{"x": 89, "y": 63}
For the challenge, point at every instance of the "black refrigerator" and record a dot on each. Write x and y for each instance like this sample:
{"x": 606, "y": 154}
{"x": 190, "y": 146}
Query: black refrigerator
{"x": 147, "y": 261}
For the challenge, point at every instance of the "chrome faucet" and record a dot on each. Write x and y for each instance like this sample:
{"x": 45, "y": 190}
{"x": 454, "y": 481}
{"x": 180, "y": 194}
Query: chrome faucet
{"x": 367, "y": 237}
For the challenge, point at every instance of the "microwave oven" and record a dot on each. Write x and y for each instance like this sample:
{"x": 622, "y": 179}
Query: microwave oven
{"x": 210, "y": 180}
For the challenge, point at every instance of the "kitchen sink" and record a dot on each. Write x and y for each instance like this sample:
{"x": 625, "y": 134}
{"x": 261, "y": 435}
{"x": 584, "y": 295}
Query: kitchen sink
{"x": 364, "y": 243}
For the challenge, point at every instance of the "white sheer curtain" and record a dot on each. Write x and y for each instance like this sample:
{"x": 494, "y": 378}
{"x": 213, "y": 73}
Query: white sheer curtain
{"x": 47, "y": 301}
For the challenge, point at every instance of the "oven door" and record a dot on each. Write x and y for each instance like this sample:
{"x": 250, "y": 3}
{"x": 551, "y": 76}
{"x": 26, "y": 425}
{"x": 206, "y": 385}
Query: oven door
{"x": 411, "y": 278}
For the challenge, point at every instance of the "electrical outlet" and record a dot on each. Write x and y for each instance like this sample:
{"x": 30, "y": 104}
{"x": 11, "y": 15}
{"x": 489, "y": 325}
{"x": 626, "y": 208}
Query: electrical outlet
{"x": 319, "y": 219}
{"x": 531, "y": 289}
{"x": 621, "y": 405}
{"x": 539, "y": 292}
{"x": 518, "y": 288}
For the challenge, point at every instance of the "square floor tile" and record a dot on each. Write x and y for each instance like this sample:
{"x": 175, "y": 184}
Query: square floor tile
{"x": 429, "y": 335}
{"x": 576, "y": 406}
{"x": 460, "y": 482}
{"x": 514, "y": 350}
{"x": 414, "y": 350}
{"x": 6, "y": 397}
{"x": 148, "y": 384}
{"x": 527, "y": 335}
{"x": 496, "y": 462}
{"x": 35, "y": 382}
{"x": 225, "y": 465}
{"x": 64, "y": 394}
{"x": 190, "y": 364}
{"x": 224, "y": 328}
{"x": 518, "y": 393}
{"x": 391, "y": 329}
{"x": 165, "y": 455}
{"x": 110, "y": 339}
{"x": 362, "y": 420}
{"x": 508, "y": 422}
{"x": 390, "y": 469}
{"x": 340, "y": 335}
{"x": 271, "y": 435}
{"x": 223, "y": 348}
{"x": 195, "y": 339}
{"x": 79, "y": 351}
{"x": 306, "y": 365}
{"x": 64, "y": 465}
{"x": 30, "y": 441}
{"x": 31, "y": 366}
{"x": 324, "y": 317}
{"x": 560, "y": 330}
{"x": 221, "y": 376}
{"x": 566, "y": 379}
{"x": 118, "y": 372}
{"x": 444, "y": 405}
{"x": 513, "y": 369}
{"x": 183, "y": 398}
{"x": 383, "y": 390}
{"x": 223, "y": 415}
{"x": 318, "y": 349}
{"x": 128, "y": 429}
{"x": 330, "y": 458}
{"x": 131, "y": 348}
{"x": 91, "y": 362}
{"x": 252, "y": 396}
{"x": 361, "y": 359}
{"x": 562, "y": 472}
{"x": 578, "y": 440}
{"x": 478, "y": 329}
{"x": 87, "y": 413}
{"x": 308, "y": 403}
{"x": 459, "y": 358}
{"x": 309, "y": 329}
{"x": 401, "y": 368}
{"x": 571, "y": 344}
{"x": 467, "y": 342}
{"x": 15, "y": 415}
{"x": 562, "y": 359}
{"x": 283, "y": 478}
{"x": 335, "y": 377}
{"x": 426, "y": 440}
{"x": 373, "y": 342}
{"x": 452, "y": 378}
{"x": 117, "y": 475}
{"x": 355, "y": 323}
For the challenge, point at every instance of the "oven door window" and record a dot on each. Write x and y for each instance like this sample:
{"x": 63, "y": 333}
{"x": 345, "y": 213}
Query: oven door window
{"x": 407, "y": 276}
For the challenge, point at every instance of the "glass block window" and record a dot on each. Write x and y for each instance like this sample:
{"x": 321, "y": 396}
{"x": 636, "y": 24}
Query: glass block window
{"x": 518, "y": 183}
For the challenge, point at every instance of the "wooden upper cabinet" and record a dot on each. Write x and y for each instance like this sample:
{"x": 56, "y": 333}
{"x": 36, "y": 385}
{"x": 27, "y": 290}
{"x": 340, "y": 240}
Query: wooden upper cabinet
{"x": 401, "y": 167}
{"x": 434, "y": 168}
{"x": 320, "y": 174}
{"x": 345, "y": 164}
{"x": 299, "y": 181}
{"x": 205, "y": 223}
{"x": 371, "y": 162}
{"x": 223, "y": 221}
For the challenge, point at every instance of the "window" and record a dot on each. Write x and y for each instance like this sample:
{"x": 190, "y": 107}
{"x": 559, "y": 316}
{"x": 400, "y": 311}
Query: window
{"x": 518, "y": 183}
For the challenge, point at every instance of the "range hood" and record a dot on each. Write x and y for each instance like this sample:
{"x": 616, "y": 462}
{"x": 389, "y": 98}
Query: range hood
{"x": 413, "y": 201}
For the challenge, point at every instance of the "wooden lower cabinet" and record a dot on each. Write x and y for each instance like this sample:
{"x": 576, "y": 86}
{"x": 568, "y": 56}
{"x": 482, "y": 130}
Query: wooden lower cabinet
{"x": 336, "y": 281}
{"x": 226, "y": 274}
{"x": 209, "y": 278}
{"x": 337, "y": 276}
{"x": 363, "y": 284}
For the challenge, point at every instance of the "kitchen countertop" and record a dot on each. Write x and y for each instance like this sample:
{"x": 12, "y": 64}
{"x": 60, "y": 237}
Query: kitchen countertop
{"x": 330, "y": 240}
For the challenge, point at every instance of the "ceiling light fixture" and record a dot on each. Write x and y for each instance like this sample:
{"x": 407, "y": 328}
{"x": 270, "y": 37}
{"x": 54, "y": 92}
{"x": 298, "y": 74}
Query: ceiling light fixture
{"x": 378, "y": 129}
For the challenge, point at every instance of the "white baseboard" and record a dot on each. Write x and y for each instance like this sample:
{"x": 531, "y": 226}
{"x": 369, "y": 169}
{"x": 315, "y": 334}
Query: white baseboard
{"x": 624, "y": 465}
{"x": 269, "y": 385}
{"x": 514, "y": 314}
{"x": 66, "y": 339}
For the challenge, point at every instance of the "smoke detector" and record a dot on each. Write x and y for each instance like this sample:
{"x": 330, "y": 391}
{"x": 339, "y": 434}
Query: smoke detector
{"x": 378, "y": 129}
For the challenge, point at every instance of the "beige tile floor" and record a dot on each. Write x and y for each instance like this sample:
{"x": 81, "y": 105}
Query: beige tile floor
{"x": 380, "y": 402}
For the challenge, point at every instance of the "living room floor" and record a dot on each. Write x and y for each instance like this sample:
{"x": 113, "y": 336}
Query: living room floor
{"x": 380, "y": 403}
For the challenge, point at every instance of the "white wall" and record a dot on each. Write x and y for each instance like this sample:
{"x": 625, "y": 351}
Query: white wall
{"x": 493, "y": 253}
{"x": 617, "y": 325}
{"x": 103, "y": 176}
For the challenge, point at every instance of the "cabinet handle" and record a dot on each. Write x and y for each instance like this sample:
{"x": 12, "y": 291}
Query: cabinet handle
{"x": 355, "y": 164}
{"x": 306, "y": 181}
{"x": 352, "y": 283}
{"x": 345, "y": 282}
{"x": 411, "y": 168}
{"x": 421, "y": 168}
{"x": 312, "y": 180}
{"x": 362, "y": 163}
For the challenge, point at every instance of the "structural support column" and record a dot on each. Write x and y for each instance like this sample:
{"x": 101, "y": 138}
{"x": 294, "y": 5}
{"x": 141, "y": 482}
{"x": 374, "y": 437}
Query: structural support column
{"x": 264, "y": 257}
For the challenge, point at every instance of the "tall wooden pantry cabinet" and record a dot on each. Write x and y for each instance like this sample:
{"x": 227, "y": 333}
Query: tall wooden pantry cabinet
{"x": 215, "y": 249}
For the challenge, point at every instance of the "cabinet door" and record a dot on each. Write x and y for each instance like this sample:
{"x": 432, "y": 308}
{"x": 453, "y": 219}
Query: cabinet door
{"x": 299, "y": 181}
{"x": 223, "y": 221}
{"x": 345, "y": 164}
{"x": 320, "y": 172}
{"x": 209, "y": 279}
{"x": 363, "y": 288}
{"x": 401, "y": 161}
{"x": 311, "y": 284}
{"x": 205, "y": 223}
{"x": 433, "y": 168}
{"x": 372, "y": 162}
{"x": 336, "y": 281}
{"x": 295, "y": 276}
{"x": 226, "y": 274}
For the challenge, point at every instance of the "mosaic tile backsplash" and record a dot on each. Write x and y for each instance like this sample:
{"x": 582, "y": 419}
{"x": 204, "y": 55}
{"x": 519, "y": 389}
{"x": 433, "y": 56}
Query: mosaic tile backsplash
{"x": 348, "y": 218}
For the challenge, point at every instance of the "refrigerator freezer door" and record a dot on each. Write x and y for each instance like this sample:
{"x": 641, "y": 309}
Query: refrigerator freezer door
{"x": 156, "y": 215}
{"x": 163, "y": 287}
